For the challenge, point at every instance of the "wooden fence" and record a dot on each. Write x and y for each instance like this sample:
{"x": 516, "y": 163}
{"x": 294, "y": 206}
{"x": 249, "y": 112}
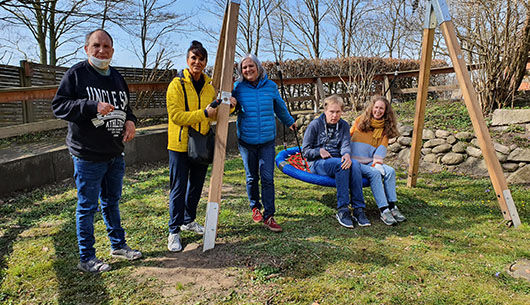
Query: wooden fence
{"x": 26, "y": 109}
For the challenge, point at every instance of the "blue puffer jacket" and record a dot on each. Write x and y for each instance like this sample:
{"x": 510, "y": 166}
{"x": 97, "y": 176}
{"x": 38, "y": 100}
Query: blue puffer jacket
{"x": 259, "y": 104}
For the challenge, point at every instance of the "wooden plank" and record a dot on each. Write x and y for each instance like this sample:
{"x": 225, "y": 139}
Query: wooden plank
{"x": 17, "y": 130}
{"x": 221, "y": 131}
{"x": 218, "y": 65}
{"x": 421, "y": 102}
{"x": 386, "y": 88}
{"x": 9, "y": 95}
{"x": 319, "y": 94}
{"x": 150, "y": 112}
{"x": 479, "y": 125}
{"x": 429, "y": 89}
{"x": 300, "y": 98}
{"x": 22, "y": 129}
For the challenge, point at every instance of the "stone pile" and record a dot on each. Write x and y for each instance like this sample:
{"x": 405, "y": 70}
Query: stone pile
{"x": 452, "y": 151}
{"x": 460, "y": 152}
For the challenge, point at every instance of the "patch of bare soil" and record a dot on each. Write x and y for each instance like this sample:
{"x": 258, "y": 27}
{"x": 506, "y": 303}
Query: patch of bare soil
{"x": 193, "y": 275}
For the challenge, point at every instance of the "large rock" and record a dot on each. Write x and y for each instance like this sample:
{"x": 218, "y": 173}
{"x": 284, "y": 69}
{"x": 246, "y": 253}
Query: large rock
{"x": 404, "y": 155}
{"x": 520, "y": 154}
{"x": 510, "y": 116}
{"x": 475, "y": 142}
{"x": 501, "y": 148}
{"x": 451, "y": 139}
{"x": 428, "y": 167}
{"x": 510, "y": 167}
{"x": 442, "y": 133}
{"x": 521, "y": 176}
{"x": 428, "y": 134}
{"x": 394, "y": 147}
{"x": 501, "y": 157}
{"x": 459, "y": 147}
{"x": 405, "y": 130}
{"x": 426, "y": 151}
{"x": 452, "y": 158}
{"x": 431, "y": 158}
{"x": 464, "y": 136}
{"x": 473, "y": 151}
{"x": 433, "y": 143}
{"x": 473, "y": 167}
{"x": 405, "y": 141}
{"x": 442, "y": 148}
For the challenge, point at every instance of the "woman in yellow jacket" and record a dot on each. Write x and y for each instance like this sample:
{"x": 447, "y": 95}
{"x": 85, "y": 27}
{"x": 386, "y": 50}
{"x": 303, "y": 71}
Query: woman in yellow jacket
{"x": 186, "y": 178}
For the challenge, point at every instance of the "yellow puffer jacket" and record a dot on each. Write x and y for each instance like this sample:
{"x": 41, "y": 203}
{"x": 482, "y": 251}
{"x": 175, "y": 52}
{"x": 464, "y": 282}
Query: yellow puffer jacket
{"x": 180, "y": 119}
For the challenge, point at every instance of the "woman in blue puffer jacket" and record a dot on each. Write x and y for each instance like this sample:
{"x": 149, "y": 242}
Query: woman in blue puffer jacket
{"x": 259, "y": 104}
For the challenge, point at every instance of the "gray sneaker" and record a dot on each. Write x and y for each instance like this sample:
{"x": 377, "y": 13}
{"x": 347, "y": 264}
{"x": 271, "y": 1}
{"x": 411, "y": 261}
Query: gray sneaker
{"x": 173, "y": 242}
{"x": 126, "y": 253}
{"x": 194, "y": 227}
{"x": 387, "y": 218}
{"x": 94, "y": 266}
{"x": 397, "y": 215}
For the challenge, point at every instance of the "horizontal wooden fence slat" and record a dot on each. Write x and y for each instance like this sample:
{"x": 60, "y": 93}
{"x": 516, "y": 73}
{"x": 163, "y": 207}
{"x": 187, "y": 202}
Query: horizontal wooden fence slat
{"x": 21, "y": 129}
{"x": 430, "y": 89}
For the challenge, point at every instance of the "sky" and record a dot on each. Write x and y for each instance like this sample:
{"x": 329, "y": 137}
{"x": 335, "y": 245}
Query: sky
{"x": 124, "y": 55}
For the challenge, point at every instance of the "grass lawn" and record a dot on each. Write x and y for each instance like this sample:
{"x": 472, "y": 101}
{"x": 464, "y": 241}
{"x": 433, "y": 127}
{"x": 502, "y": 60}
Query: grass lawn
{"x": 454, "y": 248}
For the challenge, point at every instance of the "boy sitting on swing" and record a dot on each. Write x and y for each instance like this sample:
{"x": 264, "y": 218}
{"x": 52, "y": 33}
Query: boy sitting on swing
{"x": 326, "y": 147}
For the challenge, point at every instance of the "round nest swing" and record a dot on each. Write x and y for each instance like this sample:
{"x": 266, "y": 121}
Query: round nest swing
{"x": 291, "y": 163}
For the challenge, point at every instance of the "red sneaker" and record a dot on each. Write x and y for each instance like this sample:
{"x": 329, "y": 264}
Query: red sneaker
{"x": 271, "y": 224}
{"x": 256, "y": 215}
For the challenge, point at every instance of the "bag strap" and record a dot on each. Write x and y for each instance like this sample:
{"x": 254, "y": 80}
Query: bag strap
{"x": 186, "y": 99}
{"x": 185, "y": 95}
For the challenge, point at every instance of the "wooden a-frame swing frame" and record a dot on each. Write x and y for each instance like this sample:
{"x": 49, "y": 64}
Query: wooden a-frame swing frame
{"x": 437, "y": 14}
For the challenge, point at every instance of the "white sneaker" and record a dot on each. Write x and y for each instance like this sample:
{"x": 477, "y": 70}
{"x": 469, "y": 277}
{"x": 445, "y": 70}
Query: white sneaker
{"x": 194, "y": 227}
{"x": 397, "y": 215}
{"x": 388, "y": 218}
{"x": 173, "y": 242}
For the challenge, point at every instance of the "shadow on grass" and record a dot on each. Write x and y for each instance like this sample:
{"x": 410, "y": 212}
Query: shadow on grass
{"x": 75, "y": 286}
{"x": 72, "y": 283}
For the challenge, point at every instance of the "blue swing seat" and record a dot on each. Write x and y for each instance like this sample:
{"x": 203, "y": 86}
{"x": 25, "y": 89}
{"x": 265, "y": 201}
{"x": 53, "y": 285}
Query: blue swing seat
{"x": 288, "y": 169}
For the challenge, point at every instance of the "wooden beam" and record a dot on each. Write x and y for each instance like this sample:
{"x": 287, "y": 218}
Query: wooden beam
{"x": 17, "y": 94}
{"x": 429, "y": 89}
{"x": 221, "y": 132}
{"x": 21, "y": 129}
{"x": 386, "y": 88}
{"x": 481, "y": 131}
{"x": 421, "y": 102}
{"x": 319, "y": 95}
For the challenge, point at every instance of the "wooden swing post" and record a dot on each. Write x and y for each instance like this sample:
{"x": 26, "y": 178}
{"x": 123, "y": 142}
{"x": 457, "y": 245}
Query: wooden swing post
{"x": 437, "y": 13}
{"x": 222, "y": 82}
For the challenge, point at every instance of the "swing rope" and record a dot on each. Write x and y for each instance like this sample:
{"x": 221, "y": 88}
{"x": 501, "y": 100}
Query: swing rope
{"x": 297, "y": 160}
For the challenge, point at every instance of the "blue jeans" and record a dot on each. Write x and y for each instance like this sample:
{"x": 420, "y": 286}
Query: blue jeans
{"x": 103, "y": 181}
{"x": 349, "y": 182}
{"x": 186, "y": 179}
{"x": 258, "y": 160}
{"x": 383, "y": 187}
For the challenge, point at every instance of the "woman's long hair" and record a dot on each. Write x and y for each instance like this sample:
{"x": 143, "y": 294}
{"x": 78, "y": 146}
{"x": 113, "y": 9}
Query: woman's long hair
{"x": 390, "y": 129}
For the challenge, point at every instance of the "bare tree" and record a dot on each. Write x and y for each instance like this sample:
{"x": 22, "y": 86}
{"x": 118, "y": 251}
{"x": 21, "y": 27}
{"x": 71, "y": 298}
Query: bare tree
{"x": 116, "y": 12}
{"x": 347, "y": 17}
{"x": 495, "y": 34}
{"x": 305, "y": 23}
{"x": 152, "y": 23}
{"x": 251, "y": 23}
{"x": 49, "y": 22}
